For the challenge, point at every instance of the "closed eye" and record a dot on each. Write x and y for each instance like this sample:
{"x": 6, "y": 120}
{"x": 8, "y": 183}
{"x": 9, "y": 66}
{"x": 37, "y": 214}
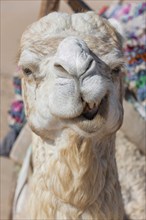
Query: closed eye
{"x": 116, "y": 70}
{"x": 27, "y": 71}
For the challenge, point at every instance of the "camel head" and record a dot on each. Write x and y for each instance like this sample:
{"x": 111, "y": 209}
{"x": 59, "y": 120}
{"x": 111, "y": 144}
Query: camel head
{"x": 72, "y": 74}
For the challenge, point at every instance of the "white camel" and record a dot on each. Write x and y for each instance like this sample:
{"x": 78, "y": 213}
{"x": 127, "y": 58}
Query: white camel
{"x": 72, "y": 88}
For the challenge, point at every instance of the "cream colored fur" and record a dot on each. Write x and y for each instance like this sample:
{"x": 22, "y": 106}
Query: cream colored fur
{"x": 76, "y": 181}
{"x": 72, "y": 89}
{"x": 131, "y": 168}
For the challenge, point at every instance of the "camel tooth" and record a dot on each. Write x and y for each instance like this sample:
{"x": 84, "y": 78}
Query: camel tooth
{"x": 95, "y": 105}
{"x": 91, "y": 105}
{"x": 86, "y": 107}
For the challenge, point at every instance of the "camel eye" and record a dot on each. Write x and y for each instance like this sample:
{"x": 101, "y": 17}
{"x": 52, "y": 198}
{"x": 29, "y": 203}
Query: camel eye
{"x": 27, "y": 71}
{"x": 116, "y": 70}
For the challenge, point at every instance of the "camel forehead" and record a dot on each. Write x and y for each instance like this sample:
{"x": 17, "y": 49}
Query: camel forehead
{"x": 44, "y": 36}
{"x": 56, "y": 23}
{"x": 61, "y": 24}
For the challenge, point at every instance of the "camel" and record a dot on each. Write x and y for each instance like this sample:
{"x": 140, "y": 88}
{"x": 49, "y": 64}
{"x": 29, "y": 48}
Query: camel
{"x": 72, "y": 71}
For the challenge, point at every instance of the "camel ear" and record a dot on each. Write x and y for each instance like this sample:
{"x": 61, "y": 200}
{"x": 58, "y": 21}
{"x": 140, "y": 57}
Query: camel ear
{"x": 118, "y": 26}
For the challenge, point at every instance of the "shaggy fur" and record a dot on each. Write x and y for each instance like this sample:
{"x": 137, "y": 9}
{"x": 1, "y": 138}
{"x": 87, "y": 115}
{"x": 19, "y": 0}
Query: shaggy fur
{"x": 76, "y": 183}
{"x": 72, "y": 88}
{"x": 131, "y": 168}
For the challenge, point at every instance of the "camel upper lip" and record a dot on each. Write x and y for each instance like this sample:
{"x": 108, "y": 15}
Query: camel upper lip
{"x": 90, "y": 113}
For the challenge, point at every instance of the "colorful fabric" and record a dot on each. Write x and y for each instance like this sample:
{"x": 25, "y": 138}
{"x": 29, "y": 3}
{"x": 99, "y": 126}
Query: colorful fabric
{"x": 126, "y": 12}
{"x": 7, "y": 143}
{"x": 16, "y": 113}
{"x": 133, "y": 17}
{"x": 103, "y": 10}
{"x": 16, "y": 118}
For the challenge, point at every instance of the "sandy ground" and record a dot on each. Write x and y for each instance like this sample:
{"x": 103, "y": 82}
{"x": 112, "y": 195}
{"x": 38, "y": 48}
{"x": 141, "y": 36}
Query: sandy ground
{"x": 15, "y": 17}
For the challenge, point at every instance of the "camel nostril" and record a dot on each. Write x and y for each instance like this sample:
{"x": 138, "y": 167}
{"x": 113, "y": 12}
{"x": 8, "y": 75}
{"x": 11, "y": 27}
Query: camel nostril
{"x": 85, "y": 68}
{"x": 60, "y": 68}
{"x": 89, "y": 65}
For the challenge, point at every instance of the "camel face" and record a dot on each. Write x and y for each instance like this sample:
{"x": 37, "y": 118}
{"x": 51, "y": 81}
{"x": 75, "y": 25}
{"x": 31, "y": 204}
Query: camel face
{"x": 72, "y": 74}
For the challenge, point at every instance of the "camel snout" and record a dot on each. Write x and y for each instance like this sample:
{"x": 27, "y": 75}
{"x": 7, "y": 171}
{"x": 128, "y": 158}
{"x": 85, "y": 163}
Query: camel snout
{"x": 72, "y": 58}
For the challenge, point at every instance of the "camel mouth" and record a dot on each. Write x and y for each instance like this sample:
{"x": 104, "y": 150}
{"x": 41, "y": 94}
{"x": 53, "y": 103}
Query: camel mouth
{"x": 90, "y": 111}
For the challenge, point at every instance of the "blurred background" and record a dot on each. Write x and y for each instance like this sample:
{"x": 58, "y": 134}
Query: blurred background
{"x": 15, "y": 17}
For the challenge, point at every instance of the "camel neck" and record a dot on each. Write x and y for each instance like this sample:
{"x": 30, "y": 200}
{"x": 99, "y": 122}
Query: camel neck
{"x": 78, "y": 171}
